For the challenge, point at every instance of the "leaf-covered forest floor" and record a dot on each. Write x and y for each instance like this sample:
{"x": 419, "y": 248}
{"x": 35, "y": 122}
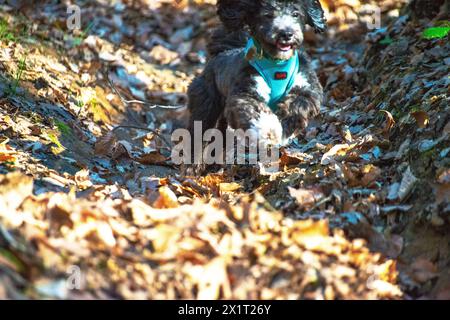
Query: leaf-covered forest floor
{"x": 358, "y": 210}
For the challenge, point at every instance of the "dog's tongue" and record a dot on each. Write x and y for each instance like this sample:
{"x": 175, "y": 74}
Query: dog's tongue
{"x": 284, "y": 46}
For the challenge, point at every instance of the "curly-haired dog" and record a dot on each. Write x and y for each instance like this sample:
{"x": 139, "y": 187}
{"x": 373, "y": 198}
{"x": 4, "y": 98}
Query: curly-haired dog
{"x": 257, "y": 76}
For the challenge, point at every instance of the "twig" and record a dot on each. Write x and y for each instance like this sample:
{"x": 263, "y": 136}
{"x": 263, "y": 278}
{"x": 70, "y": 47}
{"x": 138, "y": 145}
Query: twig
{"x": 144, "y": 103}
{"x": 145, "y": 129}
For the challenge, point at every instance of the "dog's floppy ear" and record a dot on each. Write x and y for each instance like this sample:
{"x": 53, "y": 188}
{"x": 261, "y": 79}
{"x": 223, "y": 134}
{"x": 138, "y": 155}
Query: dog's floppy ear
{"x": 233, "y": 13}
{"x": 316, "y": 17}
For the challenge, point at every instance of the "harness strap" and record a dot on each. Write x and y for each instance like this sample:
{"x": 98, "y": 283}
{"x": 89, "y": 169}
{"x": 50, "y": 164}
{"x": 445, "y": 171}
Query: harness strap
{"x": 278, "y": 74}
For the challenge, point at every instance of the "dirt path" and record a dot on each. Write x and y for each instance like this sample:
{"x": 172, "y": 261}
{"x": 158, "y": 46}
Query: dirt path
{"x": 358, "y": 210}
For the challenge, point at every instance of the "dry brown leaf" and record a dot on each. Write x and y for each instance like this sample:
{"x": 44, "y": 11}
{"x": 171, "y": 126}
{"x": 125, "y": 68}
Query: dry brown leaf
{"x": 442, "y": 193}
{"x": 166, "y": 199}
{"x": 164, "y": 238}
{"x": 444, "y": 176}
{"x": 390, "y": 121}
{"x": 422, "y": 118}
{"x": 104, "y": 145}
{"x": 388, "y": 271}
{"x": 7, "y": 153}
{"x": 229, "y": 187}
{"x": 313, "y": 235}
{"x": 306, "y": 197}
{"x": 163, "y": 55}
{"x": 82, "y": 179}
{"x": 212, "y": 279}
{"x": 370, "y": 174}
{"x": 152, "y": 158}
{"x": 15, "y": 187}
{"x": 144, "y": 215}
{"x": 336, "y": 151}
{"x": 104, "y": 233}
{"x": 122, "y": 148}
{"x": 290, "y": 158}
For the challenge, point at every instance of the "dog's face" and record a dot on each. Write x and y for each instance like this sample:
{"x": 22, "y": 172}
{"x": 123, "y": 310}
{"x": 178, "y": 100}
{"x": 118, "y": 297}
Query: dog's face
{"x": 277, "y": 25}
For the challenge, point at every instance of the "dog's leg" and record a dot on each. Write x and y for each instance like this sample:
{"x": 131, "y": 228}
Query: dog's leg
{"x": 204, "y": 106}
{"x": 247, "y": 112}
{"x": 246, "y": 108}
{"x": 301, "y": 104}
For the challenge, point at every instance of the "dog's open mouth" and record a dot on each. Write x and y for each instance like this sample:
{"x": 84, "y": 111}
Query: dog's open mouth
{"x": 284, "y": 46}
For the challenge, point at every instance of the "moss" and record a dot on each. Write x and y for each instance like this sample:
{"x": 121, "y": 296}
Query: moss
{"x": 63, "y": 128}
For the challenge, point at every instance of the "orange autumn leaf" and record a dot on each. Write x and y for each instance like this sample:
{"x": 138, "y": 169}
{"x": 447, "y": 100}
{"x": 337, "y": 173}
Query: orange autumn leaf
{"x": 7, "y": 153}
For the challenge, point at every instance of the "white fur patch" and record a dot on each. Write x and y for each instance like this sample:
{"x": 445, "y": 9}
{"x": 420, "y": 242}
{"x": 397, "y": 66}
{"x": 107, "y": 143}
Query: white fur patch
{"x": 262, "y": 88}
{"x": 286, "y": 22}
{"x": 268, "y": 127}
{"x": 301, "y": 81}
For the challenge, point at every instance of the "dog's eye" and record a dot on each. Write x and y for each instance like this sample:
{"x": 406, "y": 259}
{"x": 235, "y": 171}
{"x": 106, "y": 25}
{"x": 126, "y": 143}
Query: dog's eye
{"x": 295, "y": 14}
{"x": 268, "y": 15}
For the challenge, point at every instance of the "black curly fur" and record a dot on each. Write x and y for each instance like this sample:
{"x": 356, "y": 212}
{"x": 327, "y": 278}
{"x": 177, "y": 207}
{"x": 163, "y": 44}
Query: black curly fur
{"x": 226, "y": 93}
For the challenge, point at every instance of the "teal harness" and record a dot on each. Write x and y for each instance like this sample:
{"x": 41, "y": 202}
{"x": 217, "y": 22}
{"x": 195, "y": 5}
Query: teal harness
{"x": 278, "y": 74}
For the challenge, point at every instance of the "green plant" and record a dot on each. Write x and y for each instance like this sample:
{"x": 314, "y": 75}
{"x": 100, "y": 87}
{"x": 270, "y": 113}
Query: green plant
{"x": 5, "y": 33}
{"x": 18, "y": 76}
{"x": 63, "y": 128}
{"x": 80, "y": 105}
{"x": 52, "y": 136}
{"x": 387, "y": 40}
{"x": 10, "y": 257}
{"x": 79, "y": 39}
{"x": 436, "y": 32}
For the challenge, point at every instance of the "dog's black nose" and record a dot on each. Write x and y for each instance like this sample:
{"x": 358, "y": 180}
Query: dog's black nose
{"x": 286, "y": 35}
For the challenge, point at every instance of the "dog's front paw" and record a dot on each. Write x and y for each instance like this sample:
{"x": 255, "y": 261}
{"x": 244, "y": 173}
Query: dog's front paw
{"x": 314, "y": 109}
{"x": 296, "y": 113}
{"x": 268, "y": 128}
{"x": 293, "y": 122}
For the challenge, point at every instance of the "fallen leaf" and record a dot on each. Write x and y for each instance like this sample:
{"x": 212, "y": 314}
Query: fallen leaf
{"x": 229, "y": 187}
{"x": 390, "y": 121}
{"x": 82, "y": 179}
{"x": 163, "y": 55}
{"x": 444, "y": 177}
{"x": 104, "y": 145}
{"x": 312, "y": 235}
{"x": 306, "y": 197}
{"x": 166, "y": 198}
{"x": 407, "y": 184}
{"x": 442, "y": 192}
{"x": 105, "y": 234}
{"x": 7, "y": 153}
{"x": 335, "y": 151}
{"x": 15, "y": 187}
{"x": 122, "y": 148}
{"x": 423, "y": 270}
{"x": 152, "y": 158}
{"x": 370, "y": 174}
{"x": 422, "y": 118}
{"x": 212, "y": 280}
{"x": 164, "y": 239}
{"x": 290, "y": 157}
